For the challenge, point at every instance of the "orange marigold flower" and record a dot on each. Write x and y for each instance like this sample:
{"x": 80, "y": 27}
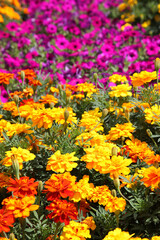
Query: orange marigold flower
{"x": 22, "y": 187}
{"x": 151, "y": 177}
{"x": 22, "y": 155}
{"x": 120, "y": 130}
{"x": 62, "y": 162}
{"x": 59, "y": 185}
{"x": 63, "y": 211}
{"x": 137, "y": 149}
{"x": 20, "y": 207}
{"x": 90, "y": 222}
{"x": 139, "y": 79}
{"x": 28, "y": 92}
{"x": 29, "y": 74}
{"x": 34, "y": 82}
{"x": 48, "y": 99}
{"x": 6, "y": 220}
{"x": 4, "y": 179}
{"x": 5, "y": 77}
{"x": 9, "y": 106}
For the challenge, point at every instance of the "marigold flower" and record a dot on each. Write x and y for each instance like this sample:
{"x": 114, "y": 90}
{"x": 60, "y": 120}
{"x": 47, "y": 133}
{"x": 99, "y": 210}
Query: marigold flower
{"x": 120, "y": 130}
{"x": 63, "y": 211}
{"x": 5, "y": 77}
{"x": 4, "y": 179}
{"x": 122, "y": 90}
{"x": 62, "y": 162}
{"x": 151, "y": 177}
{"x": 139, "y": 79}
{"x": 59, "y": 185}
{"x": 90, "y": 222}
{"x": 22, "y": 187}
{"x": 88, "y": 88}
{"x": 117, "y": 78}
{"x": 75, "y": 230}
{"x": 6, "y": 220}
{"x": 22, "y": 155}
{"x": 117, "y": 234}
{"x": 83, "y": 189}
{"x": 91, "y": 120}
{"x": 20, "y": 207}
{"x": 152, "y": 115}
{"x": 117, "y": 166}
{"x": 48, "y": 99}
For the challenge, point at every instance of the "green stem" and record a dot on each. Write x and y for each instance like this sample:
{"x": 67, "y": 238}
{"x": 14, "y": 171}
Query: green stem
{"x": 4, "y": 234}
{"x": 57, "y": 230}
{"x": 157, "y": 89}
{"x": 126, "y": 199}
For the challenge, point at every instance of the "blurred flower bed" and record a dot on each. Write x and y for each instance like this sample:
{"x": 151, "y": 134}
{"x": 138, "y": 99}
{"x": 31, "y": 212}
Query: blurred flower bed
{"x": 79, "y": 122}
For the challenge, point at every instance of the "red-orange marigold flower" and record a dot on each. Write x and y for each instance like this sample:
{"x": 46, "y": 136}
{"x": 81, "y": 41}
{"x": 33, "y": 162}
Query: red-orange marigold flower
{"x": 22, "y": 187}
{"x": 63, "y": 211}
{"x": 6, "y": 220}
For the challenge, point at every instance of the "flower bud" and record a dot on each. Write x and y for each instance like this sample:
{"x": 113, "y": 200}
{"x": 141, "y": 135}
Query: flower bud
{"x": 15, "y": 166}
{"x": 51, "y": 105}
{"x": 149, "y": 133}
{"x": 11, "y": 236}
{"x": 23, "y": 75}
{"x": 114, "y": 151}
{"x": 40, "y": 187}
{"x": 104, "y": 113}
{"x": 114, "y": 193}
{"x": 116, "y": 183}
{"x": 95, "y": 77}
{"x": 66, "y": 115}
{"x": 16, "y": 99}
{"x": 157, "y": 64}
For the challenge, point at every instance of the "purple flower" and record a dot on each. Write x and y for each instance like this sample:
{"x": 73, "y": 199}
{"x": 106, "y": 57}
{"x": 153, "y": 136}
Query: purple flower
{"x": 51, "y": 29}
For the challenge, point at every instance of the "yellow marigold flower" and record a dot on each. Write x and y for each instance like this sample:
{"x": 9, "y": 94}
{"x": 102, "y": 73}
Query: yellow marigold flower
{"x": 97, "y": 157}
{"x": 124, "y": 26}
{"x": 146, "y": 24}
{"x": 87, "y": 88}
{"x": 54, "y": 90}
{"x": 83, "y": 189}
{"x": 122, "y": 90}
{"x": 115, "y": 204}
{"x": 151, "y": 177}
{"x": 62, "y": 162}
{"x": 152, "y": 115}
{"x": 117, "y": 78}
{"x": 22, "y": 155}
{"x": 75, "y": 231}
{"x": 20, "y": 207}
{"x": 60, "y": 118}
{"x": 90, "y": 139}
{"x": 139, "y": 79}
{"x": 18, "y": 128}
{"x": 122, "y": 6}
{"x": 120, "y": 130}
{"x": 48, "y": 99}
{"x": 118, "y": 234}
{"x": 117, "y": 166}
{"x": 155, "y": 238}
{"x": 91, "y": 120}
